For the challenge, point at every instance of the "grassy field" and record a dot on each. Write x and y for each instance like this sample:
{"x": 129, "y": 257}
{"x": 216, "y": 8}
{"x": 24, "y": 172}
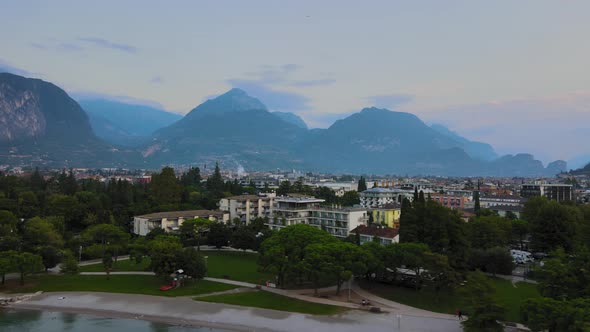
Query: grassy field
{"x": 236, "y": 265}
{"x": 220, "y": 264}
{"x": 130, "y": 284}
{"x": 266, "y": 300}
{"x": 509, "y": 297}
{"x": 121, "y": 265}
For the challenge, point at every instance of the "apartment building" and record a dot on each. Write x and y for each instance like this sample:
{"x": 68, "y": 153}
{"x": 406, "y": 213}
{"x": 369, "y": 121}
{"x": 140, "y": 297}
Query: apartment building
{"x": 336, "y": 220}
{"x": 388, "y": 214}
{"x": 247, "y": 207}
{"x": 376, "y": 197}
{"x": 385, "y": 235}
{"x": 451, "y": 201}
{"x": 553, "y": 192}
{"x": 170, "y": 221}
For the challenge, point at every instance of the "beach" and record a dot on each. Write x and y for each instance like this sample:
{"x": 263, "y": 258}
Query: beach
{"x": 185, "y": 311}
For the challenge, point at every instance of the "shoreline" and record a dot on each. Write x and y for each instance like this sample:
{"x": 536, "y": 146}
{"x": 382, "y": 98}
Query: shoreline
{"x": 122, "y": 315}
{"x": 184, "y": 311}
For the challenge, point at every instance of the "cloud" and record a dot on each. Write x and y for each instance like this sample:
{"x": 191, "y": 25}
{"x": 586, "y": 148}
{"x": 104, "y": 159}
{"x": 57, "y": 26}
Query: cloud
{"x": 271, "y": 85}
{"x": 390, "y": 100}
{"x": 69, "y": 47}
{"x": 320, "y": 82}
{"x": 100, "y": 42}
{"x": 38, "y": 46}
{"x": 275, "y": 100}
{"x": 157, "y": 80}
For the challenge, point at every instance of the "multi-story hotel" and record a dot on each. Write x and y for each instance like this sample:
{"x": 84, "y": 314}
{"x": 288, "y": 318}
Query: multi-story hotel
{"x": 247, "y": 207}
{"x": 337, "y": 221}
{"x": 553, "y": 192}
{"x": 170, "y": 221}
{"x": 376, "y": 197}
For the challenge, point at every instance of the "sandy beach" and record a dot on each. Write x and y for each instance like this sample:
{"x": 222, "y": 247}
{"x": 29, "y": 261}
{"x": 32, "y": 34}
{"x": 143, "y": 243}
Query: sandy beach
{"x": 185, "y": 311}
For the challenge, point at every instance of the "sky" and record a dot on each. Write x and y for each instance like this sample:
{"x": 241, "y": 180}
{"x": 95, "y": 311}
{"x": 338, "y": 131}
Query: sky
{"x": 515, "y": 74}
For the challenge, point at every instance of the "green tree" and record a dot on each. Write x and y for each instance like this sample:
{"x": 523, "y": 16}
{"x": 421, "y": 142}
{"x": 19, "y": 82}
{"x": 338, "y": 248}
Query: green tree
{"x": 350, "y": 198}
{"x": 520, "y": 230}
{"x": 192, "y": 178}
{"x": 106, "y": 237}
{"x": 51, "y": 256}
{"x": 362, "y": 184}
{"x": 215, "y": 182}
{"x": 284, "y": 188}
{"x": 40, "y": 232}
{"x": 165, "y": 188}
{"x": 553, "y": 225}
{"x": 164, "y": 252}
{"x": 5, "y": 265}
{"x": 243, "y": 238}
{"x": 107, "y": 263}
{"x": 25, "y": 263}
{"x": 69, "y": 265}
{"x": 547, "y": 314}
{"x": 283, "y": 251}
{"x": 489, "y": 231}
{"x": 192, "y": 262}
{"x": 28, "y": 204}
{"x": 218, "y": 235}
{"x": 192, "y": 231}
{"x": 485, "y": 312}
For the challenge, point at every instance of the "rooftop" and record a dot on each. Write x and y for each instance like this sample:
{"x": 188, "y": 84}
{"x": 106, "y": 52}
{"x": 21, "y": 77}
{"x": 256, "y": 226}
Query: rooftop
{"x": 299, "y": 199}
{"x": 384, "y": 232}
{"x": 182, "y": 214}
{"x": 246, "y": 197}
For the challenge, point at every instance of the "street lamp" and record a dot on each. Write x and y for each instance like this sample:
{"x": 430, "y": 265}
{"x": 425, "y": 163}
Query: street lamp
{"x": 206, "y": 268}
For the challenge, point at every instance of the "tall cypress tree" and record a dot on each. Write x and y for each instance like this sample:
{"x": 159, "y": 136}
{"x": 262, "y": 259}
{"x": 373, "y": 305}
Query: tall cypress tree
{"x": 362, "y": 184}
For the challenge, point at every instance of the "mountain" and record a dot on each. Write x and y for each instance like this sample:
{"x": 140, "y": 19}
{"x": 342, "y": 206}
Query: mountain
{"x": 579, "y": 161}
{"x": 41, "y": 124}
{"x": 292, "y": 118}
{"x": 381, "y": 141}
{"x": 235, "y": 129}
{"x": 125, "y": 124}
{"x": 582, "y": 171}
{"x": 476, "y": 150}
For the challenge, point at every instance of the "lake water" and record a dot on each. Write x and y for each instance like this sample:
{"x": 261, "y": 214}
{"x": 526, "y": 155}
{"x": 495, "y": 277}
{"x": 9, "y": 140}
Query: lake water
{"x": 47, "y": 321}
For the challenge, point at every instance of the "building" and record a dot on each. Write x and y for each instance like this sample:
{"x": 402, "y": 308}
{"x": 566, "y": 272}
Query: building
{"x": 171, "y": 221}
{"x": 451, "y": 201}
{"x": 553, "y": 192}
{"x": 387, "y": 215}
{"x": 386, "y": 235}
{"x": 247, "y": 207}
{"x": 376, "y": 197}
{"x": 336, "y": 220}
{"x": 486, "y": 202}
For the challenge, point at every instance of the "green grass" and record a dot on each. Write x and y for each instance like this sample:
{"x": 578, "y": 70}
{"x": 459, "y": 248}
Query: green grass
{"x": 129, "y": 284}
{"x": 507, "y": 296}
{"x": 236, "y": 265}
{"x": 121, "y": 265}
{"x": 267, "y": 300}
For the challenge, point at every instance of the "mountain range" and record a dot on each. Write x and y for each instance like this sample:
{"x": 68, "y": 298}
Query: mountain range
{"x": 40, "y": 123}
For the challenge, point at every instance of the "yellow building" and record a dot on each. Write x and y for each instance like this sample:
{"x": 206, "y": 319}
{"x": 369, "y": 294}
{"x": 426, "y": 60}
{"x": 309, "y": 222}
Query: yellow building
{"x": 388, "y": 214}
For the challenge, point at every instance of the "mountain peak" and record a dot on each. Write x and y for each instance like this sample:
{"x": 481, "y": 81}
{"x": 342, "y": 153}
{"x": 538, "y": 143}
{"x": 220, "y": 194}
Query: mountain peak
{"x": 234, "y": 100}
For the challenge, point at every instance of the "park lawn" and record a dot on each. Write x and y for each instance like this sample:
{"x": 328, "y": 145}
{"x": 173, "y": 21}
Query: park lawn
{"x": 506, "y": 295}
{"x": 235, "y": 265}
{"x": 129, "y": 284}
{"x": 232, "y": 265}
{"x": 120, "y": 265}
{"x": 267, "y": 300}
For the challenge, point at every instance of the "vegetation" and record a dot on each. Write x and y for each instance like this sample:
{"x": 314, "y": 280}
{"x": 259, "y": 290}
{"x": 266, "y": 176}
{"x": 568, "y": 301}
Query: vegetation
{"x": 129, "y": 284}
{"x": 266, "y": 300}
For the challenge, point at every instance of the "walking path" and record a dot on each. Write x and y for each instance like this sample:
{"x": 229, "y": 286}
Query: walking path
{"x": 185, "y": 311}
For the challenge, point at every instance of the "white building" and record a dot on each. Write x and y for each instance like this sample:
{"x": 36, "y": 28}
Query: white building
{"x": 247, "y": 207}
{"x": 377, "y": 197}
{"x": 171, "y": 221}
{"x": 337, "y": 221}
